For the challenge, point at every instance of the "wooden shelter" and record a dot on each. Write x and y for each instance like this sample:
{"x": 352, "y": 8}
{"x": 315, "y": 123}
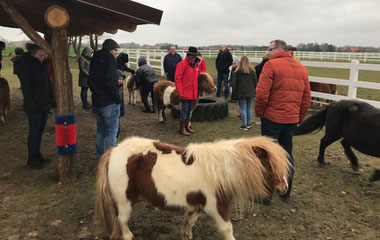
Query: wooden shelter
{"x": 58, "y": 19}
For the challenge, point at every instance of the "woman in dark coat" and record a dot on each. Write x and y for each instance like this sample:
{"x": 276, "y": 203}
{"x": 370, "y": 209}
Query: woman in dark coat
{"x": 84, "y": 69}
{"x": 38, "y": 98}
{"x": 245, "y": 85}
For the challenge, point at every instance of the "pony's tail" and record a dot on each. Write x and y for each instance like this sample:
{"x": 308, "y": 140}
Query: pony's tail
{"x": 105, "y": 208}
{"x": 317, "y": 121}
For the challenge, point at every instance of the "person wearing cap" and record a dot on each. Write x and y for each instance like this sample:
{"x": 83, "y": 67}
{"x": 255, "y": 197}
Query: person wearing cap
{"x": 146, "y": 78}
{"x": 186, "y": 82}
{"x": 103, "y": 84}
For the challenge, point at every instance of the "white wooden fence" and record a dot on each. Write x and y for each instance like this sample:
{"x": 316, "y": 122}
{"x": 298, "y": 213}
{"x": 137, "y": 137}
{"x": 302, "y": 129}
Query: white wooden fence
{"x": 156, "y": 59}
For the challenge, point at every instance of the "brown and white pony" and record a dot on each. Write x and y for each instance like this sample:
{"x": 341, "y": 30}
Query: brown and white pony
{"x": 323, "y": 88}
{"x": 165, "y": 94}
{"x": 5, "y": 101}
{"x": 132, "y": 89}
{"x": 201, "y": 177}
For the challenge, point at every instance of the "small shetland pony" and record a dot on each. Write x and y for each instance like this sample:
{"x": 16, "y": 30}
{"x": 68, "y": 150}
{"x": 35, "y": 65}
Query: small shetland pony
{"x": 357, "y": 122}
{"x": 165, "y": 94}
{"x": 5, "y": 101}
{"x": 201, "y": 177}
{"x": 132, "y": 89}
{"x": 323, "y": 88}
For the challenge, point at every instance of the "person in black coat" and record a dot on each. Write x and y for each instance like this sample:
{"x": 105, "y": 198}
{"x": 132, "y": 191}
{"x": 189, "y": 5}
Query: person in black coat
{"x": 146, "y": 78}
{"x": 259, "y": 67}
{"x": 2, "y": 47}
{"x": 17, "y": 60}
{"x": 38, "y": 99}
{"x": 105, "y": 96}
{"x": 223, "y": 63}
{"x": 121, "y": 61}
{"x": 170, "y": 63}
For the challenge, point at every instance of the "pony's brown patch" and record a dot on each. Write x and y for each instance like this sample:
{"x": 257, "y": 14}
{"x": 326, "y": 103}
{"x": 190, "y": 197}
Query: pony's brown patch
{"x": 159, "y": 90}
{"x": 167, "y": 149}
{"x": 131, "y": 83}
{"x": 174, "y": 98}
{"x": 205, "y": 84}
{"x": 196, "y": 199}
{"x": 139, "y": 170}
{"x": 222, "y": 205}
{"x": 187, "y": 161}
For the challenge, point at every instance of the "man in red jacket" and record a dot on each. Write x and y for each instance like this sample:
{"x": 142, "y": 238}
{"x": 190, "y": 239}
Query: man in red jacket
{"x": 186, "y": 82}
{"x": 282, "y": 98}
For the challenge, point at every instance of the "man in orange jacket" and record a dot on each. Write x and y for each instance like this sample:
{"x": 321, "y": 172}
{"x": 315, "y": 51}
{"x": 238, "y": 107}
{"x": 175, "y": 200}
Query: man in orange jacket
{"x": 186, "y": 82}
{"x": 282, "y": 98}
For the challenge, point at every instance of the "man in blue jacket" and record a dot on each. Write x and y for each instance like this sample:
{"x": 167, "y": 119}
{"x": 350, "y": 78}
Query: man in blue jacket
{"x": 106, "y": 100}
{"x": 170, "y": 63}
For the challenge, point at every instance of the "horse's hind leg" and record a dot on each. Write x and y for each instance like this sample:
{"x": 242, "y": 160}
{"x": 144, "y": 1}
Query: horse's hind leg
{"x": 325, "y": 142}
{"x": 125, "y": 210}
{"x": 350, "y": 154}
{"x": 375, "y": 176}
{"x": 189, "y": 220}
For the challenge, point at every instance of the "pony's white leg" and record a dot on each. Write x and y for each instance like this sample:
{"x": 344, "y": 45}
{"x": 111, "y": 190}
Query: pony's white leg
{"x": 125, "y": 210}
{"x": 160, "y": 118}
{"x": 134, "y": 94}
{"x": 224, "y": 226}
{"x": 188, "y": 223}
{"x": 129, "y": 96}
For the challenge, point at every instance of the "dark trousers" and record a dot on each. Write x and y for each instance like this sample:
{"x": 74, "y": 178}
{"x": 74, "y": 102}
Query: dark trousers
{"x": 37, "y": 123}
{"x": 222, "y": 78}
{"x": 186, "y": 107}
{"x": 146, "y": 89}
{"x": 83, "y": 96}
{"x": 170, "y": 77}
{"x": 283, "y": 133}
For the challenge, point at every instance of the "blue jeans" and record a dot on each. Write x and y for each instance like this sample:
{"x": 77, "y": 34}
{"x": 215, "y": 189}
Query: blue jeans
{"x": 186, "y": 107}
{"x": 246, "y": 110}
{"x": 83, "y": 96}
{"x": 222, "y": 77}
{"x": 107, "y": 119}
{"x": 283, "y": 133}
{"x": 37, "y": 123}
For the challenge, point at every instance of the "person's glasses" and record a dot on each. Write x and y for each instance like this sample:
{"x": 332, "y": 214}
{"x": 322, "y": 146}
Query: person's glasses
{"x": 270, "y": 49}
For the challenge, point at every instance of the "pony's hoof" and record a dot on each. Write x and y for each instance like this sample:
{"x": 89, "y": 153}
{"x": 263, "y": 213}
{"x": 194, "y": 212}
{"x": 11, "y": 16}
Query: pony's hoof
{"x": 355, "y": 168}
{"x": 162, "y": 122}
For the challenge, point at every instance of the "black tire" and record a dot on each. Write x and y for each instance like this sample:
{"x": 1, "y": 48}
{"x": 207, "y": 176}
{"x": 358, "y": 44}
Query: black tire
{"x": 208, "y": 109}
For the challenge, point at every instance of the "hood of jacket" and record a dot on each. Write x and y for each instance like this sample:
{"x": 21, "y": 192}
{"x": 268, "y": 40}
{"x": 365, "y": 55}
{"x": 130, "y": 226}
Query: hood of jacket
{"x": 86, "y": 52}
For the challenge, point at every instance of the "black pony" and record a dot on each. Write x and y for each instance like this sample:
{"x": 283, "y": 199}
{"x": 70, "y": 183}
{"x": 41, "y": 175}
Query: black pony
{"x": 357, "y": 122}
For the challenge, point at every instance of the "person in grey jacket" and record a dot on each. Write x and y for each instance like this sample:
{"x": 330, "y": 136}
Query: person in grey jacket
{"x": 146, "y": 78}
{"x": 84, "y": 69}
{"x": 245, "y": 85}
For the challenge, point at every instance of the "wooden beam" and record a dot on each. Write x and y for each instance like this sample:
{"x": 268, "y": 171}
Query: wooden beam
{"x": 22, "y": 23}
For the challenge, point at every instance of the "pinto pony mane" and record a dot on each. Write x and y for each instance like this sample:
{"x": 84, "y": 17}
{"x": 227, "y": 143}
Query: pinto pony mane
{"x": 235, "y": 169}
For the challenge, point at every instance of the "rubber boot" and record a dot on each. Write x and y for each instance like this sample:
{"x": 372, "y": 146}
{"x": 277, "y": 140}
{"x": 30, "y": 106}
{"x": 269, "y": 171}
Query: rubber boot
{"x": 42, "y": 159}
{"x": 182, "y": 129}
{"x": 187, "y": 127}
{"x": 34, "y": 162}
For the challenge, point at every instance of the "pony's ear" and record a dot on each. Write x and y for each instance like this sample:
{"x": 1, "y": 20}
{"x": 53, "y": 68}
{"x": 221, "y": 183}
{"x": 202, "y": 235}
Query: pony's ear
{"x": 262, "y": 155}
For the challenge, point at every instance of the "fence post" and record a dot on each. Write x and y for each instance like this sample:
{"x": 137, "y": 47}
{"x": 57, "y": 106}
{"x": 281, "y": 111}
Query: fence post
{"x": 162, "y": 64}
{"x": 365, "y": 56}
{"x": 209, "y": 53}
{"x": 148, "y": 57}
{"x": 354, "y": 77}
{"x": 129, "y": 62}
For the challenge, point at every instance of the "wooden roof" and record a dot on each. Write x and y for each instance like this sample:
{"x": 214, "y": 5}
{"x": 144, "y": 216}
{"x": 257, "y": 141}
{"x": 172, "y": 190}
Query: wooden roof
{"x": 86, "y": 16}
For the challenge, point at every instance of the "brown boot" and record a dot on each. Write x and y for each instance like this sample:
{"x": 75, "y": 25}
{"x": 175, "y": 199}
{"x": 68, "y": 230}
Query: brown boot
{"x": 182, "y": 129}
{"x": 187, "y": 127}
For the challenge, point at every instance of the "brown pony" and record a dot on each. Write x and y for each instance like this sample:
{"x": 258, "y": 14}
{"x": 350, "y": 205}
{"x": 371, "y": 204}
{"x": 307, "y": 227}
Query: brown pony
{"x": 132, "y": 89}
{"x": 165, "y": 94}
{"x": 203, "y": 177}
{"x": 323, "y": 88}
{"x": 5, "y": 101}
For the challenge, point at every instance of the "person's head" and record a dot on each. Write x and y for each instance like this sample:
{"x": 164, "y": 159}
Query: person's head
{"x": 123, "y": 57}
{"x": 245, "y": 65}
{"x": 141, "y": 61}
{"x": 36, "y": 51}
{"x": 111, "y": 46}
{"x": 120, "y": 77}
{"x": 192, "y": 53}
{"x": 86, "y": 52}
{"x": 2, "y": 46}
{"x": 223, "y": 47}
{"x": 172, "y": 50}
{"x": 19, "y": 51}
{"x": 291, "y": 48}
{"x": 277, "y": 46}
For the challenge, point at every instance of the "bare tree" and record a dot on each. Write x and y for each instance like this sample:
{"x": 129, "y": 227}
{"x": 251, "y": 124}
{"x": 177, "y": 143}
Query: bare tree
{"x": 76, "y": 43}
{"x": 94, "y": 42}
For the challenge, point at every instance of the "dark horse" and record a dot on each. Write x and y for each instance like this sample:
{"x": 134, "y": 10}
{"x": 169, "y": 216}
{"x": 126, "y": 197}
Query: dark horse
{"x": 357, "y": 122}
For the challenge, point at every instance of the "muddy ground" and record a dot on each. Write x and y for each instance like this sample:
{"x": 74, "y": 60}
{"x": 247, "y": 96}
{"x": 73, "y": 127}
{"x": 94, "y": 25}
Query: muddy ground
{"x": 327, "y": 203}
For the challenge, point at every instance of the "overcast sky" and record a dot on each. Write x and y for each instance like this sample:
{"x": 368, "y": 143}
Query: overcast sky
{"x": 255, "y": 22}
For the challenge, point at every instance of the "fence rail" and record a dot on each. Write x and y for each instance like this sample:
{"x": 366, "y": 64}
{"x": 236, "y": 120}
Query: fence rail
{"x": 156, "y": 59}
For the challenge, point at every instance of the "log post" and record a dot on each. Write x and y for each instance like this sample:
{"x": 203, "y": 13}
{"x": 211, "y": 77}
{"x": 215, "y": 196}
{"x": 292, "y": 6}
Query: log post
{"x": 57, "y": 18}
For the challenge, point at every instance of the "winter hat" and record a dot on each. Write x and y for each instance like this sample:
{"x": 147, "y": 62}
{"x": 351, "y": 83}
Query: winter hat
{"x": 141, "y": 61}
{"x": 123, "y": 57}
{"x": 120, "y": 74}
{"x": 19, "y": 51}
{"x": 110, "y": 45}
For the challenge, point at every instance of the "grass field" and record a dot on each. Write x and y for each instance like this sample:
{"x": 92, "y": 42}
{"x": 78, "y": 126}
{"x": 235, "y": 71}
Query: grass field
{"x": 327, "y": 203}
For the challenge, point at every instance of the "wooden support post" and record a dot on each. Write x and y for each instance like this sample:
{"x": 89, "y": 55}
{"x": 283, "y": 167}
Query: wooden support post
{"x": 57, "y": 18}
